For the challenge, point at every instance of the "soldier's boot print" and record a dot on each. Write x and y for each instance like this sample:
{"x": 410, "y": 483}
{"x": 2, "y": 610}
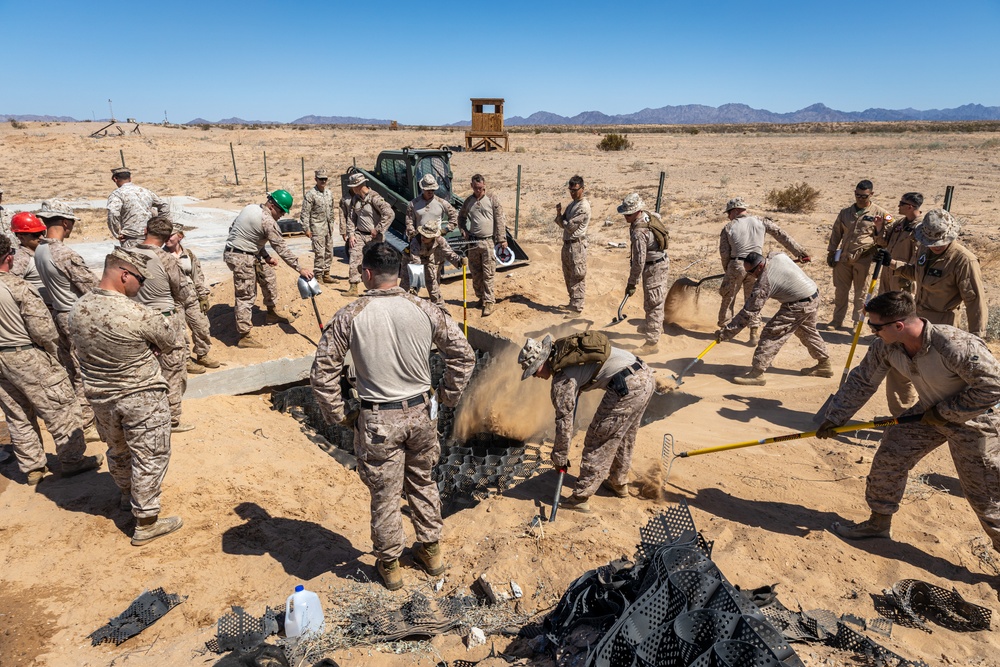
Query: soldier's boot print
{"x": 429, "y": 556}
{"x": 391, "y": 573}
{"x": 149, "y": 528}
{"x": 754, "y": 378}
{"x": 754, "y": 335}
{"x": 83, "y": 465}
{"x": 877, "y": 525}
{"x": 821, "y": 370}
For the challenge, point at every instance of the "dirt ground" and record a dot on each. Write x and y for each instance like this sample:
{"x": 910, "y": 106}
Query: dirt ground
{"x": 265, "y": 508}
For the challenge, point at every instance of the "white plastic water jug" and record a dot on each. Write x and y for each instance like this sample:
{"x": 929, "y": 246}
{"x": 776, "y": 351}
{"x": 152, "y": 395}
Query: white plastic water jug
{"x": 303, "y": 613}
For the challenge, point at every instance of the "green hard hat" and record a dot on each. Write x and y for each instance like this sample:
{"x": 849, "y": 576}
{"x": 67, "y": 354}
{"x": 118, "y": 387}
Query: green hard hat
{"x": 283, "y": 199}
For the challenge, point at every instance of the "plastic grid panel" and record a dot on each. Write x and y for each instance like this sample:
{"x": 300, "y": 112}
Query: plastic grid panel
{"x": 140, "y": 614}
{"x": 243, "y": 632}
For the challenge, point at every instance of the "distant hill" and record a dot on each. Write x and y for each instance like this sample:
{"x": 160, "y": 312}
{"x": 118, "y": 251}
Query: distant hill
{"x": 33, "y": 118}
{"x": 232, "y": 121}
{"x": 697, "y": 114}
{"x": 338, "y": 120}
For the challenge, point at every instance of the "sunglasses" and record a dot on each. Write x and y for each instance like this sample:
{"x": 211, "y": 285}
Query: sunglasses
{"x": 322, "y": 180}
{"x": 572, "y": 189}
{"x": 878, "y": 327}
{"x": 906, "y": 203}
{"x": 857, "y": 196}
{"x": 141, "y": 279}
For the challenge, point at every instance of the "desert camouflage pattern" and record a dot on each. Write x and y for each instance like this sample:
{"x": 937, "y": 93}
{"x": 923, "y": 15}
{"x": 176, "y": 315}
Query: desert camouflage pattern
{"x": 432, "y": 258}
{"x": 482, "y": 269}
{"x": 24, "y": 318}
{"x": 65, "y": 274}
{"x": 610, "y": 439}
{"x": 574, "y": 221}
{"x": 67, "y": 356}
{"x": 254, "y": 228}
{"x": 317, "y": 217}
{"x": 946, "y": 281}
{"x": 23, "y": 266}
{"x": 651, "y": 264}
{"x": 5, "y": 217}
{"x": 420, "y": 211}
{"x": 736, "y": 278}
{"x": 248, "y": 272}
{"x": 897, "y": 238}
{"x": 483, "y": 218}
{"x": 136, "y": 428}
{"x": 369, "y": 216}
{"x": 854, "y": 235}
{"x": 956, "y": 374}
{"x": 197, "y": 321}
{"x": 129, "y": 209}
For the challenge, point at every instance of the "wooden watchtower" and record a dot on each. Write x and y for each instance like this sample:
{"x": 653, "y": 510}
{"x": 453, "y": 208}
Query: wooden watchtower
{"x": 487, "y": 131}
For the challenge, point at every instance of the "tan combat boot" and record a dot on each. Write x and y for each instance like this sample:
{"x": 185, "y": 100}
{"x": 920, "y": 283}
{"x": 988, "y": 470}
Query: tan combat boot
{"x": 615, "y": 489}
{"x": 429, "y": 555}
{"x": 248, "y": 341}
{"x": 277, "y": 316}
{"x": 194, "y": 369}
{"x": 877, "y": 525}
{"x": 754, "y": 335}
{"x": 576, "y": 503}
{"x": 823, "y": 369}
{"x": 328, "y": 279}
{"x": 90, "y": 433}
{"x": 754, "y": 377}
{"x": 208, "y": 361}
{"x": 353, "y": 291}
{"x": 83, "y": 465}
{"x": 149, "y": 528}
{"x": 391, "y": 573}
{"x": 35, "y": 476}
{"x": 179, "y": 427}
{"x": 649, "y": 348}
{"x": 487, "y": 309}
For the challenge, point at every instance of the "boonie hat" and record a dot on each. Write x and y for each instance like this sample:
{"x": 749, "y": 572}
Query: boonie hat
{"x": 735, "y": 202}
{"x": 121, "y": 171}
{"x": 356, "y": 179}
{"x": 321, "y": 173}
{"x": 533, "y": 355}
{"x": 54, "y": 208}
{"x": 938, "y": 228}
{"x": 178, "y": 229}
{"x": 430, "y": 229}
{"x": 631, "y": 204}
{"x": 428, "y": 182}
{"x": 135, "y": 259}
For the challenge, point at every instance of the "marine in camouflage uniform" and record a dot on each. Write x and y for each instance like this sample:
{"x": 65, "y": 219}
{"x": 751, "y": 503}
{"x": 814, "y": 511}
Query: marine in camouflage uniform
{"x": 245, "y": 255}
{"x": 32, "y": 382}
{"x": 130, "y": 207}
{"x": 429, "y": 248}
{"x": 66, "y": 278}
{"x": 849, "y": 253}
{"x": 23, "y": 265}
{"x": 316, "y": 218}
{"x": 368, "y": 218}
{"x": 395, "y": 436}
{"x": 898, "y": 240}
{"x": 429, "y": 207}
{"x": 742, "y": 235}
{"x": 5, "y": 217}
{"x": 116, "y": 338}
{"x": 627, "y": 384}
{"x": 484, "y": 224}
{"x": 574, "y": 222}
{"x": 650, "y": 262}
{"x": 958, "y": 382}
{"x": 779, "y": 278}
{"x": 196, "y": 318}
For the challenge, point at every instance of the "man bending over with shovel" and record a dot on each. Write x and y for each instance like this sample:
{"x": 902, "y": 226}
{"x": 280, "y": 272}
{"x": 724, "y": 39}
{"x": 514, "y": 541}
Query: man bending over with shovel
{"x": 958, "y": 382}
{"x": 779, "y": 278}
{"x": 627, "y": 384}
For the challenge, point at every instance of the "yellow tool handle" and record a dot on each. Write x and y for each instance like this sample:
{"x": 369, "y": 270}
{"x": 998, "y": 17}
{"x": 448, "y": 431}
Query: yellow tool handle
{"x": 705, "y": 351}
{"x": 465, "y": 303}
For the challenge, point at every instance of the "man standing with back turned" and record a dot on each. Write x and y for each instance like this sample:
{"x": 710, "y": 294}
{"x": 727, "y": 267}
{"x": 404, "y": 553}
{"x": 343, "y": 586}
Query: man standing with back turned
{"x": 389, "y": 334}
{"x": 129, "y": 207}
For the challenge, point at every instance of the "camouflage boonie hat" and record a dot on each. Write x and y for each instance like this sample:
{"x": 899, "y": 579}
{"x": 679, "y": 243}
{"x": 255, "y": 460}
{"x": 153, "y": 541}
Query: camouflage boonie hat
{"x": 356, "y": 179}
{"x": 735, "y": 202}
{"x": 135, "y": 259}
{"x": 428, "y": 182}
{"x": 120, "y": 171}
{"x": 430, "y": 229}
{"x": 938, "y": 228}
{"x": 533, "y": 355}
{"x": 54, "y": 208}
{"x": 631, "y": 204}
{"x": 321, "y": 173}
{"x": 178, "y": 229}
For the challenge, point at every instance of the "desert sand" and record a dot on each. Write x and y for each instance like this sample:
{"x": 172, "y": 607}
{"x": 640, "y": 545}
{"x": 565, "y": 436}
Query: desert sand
{"x": 265, "y": 508}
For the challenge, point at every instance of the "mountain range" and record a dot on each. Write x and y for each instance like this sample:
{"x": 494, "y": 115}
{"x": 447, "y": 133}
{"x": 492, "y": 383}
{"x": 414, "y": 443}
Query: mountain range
{"x": 687, "y": 114}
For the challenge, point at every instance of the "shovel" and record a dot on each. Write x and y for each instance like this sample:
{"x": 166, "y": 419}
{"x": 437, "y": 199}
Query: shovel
{"x": 465, "y": 302}
{"x": 309, "y": 289}
{"x": 620, "y": 316}
{"x": 678, "y": 378}
{"x": 684, "y": 281}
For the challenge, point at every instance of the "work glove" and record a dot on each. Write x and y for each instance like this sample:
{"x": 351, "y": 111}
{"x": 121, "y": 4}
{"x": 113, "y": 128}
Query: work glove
{"x": 831, "y": 258}
{"x": 465, "y": 261}
{"x": 720, "y": 336}
{"x": 203, "y": 305}
{"x": 883, "y": 257}
{"x": 825, "y": 430}
{"x": 933, "y": 418}
{"x": 630, "y": 290}
{"x": 805, "y": 259}
{"x": 350, "y": 419}
{"x": 559, "y": 459}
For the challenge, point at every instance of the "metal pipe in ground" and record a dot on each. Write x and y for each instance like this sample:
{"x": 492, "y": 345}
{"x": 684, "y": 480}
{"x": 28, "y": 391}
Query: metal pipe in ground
{"x": 233, "y": 154}
{"x": 659, "y": 192}
{"x": 517, "y": 201}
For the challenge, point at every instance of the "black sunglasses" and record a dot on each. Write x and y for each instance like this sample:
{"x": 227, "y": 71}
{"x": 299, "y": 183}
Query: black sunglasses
{"x": 857, "y": 196}
{"x": 141, "y": 279}
{"x": 878, "y": 327}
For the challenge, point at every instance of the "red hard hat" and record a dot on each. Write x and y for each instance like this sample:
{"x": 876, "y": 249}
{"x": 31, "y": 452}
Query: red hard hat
{"x": 26, "y": 223}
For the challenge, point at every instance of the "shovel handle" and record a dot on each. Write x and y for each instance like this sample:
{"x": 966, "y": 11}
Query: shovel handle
{"x": 319, "y": 320}
{"x": 861, "y": 323}
{"x": 555, "y": 502}
{"x": 465, "y": 303}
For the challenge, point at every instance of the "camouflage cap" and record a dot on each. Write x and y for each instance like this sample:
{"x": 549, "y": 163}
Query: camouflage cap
{"x": 120, "y": 172}
{"x": 54, "y": 208}
{"x": 938, "y": 228}
{"x": 178, "y": 229}
{"x": 631, "y": 204}
{"x": 430, "y": 229}
{"x": 321, "y": 173}
{"x": 735, "y": 202}
{"x": 356, "y": 179}
{"x": 428, "y": 182}
{"x": 135, "y": 259}
{"x": 533, "y": 355}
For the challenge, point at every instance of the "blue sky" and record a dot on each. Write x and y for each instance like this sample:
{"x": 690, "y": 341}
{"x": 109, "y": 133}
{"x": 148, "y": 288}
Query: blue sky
{"x": 420, "y": 62}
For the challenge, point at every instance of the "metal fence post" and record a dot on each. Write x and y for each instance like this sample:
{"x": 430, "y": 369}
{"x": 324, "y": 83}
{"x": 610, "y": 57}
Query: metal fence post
{"x": 517, "y": 202}
{"x": 235, "y": 173}
{"x": 659, "y": 193}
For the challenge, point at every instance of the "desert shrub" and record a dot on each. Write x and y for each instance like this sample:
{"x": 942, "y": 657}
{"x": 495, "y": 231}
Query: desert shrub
{"x": 205, "y": 126}
{"x": 692, "y": 130}
{"x": 990, "y": 143}
{"x": 520, "y": 149}
{"x": 18, "y": 125}
{"x": 615, "y": 142}
{"x": 799, "y": 198}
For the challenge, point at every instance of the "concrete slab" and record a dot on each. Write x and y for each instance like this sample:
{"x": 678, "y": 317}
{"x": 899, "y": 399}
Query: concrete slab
{"x": 247, "y": 379}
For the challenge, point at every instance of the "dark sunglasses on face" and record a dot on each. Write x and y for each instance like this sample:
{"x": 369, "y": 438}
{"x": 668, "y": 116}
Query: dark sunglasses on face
{"x": 141, "y": 279}
{"x": 878, "y": 327}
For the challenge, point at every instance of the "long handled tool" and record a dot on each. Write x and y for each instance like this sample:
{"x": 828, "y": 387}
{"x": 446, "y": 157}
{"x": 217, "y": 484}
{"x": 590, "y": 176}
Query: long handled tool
{"x": 465, "y": 302}
{"x": 555, "y": 502}
{"x": 620, "y": 316}
{"x": 846, "y": 428}
{"x": 678, "y": 378}
{"x": 310, "y": 289}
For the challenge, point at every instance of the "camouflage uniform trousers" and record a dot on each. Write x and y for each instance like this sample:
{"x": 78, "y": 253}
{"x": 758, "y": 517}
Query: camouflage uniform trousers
{"x": 736, "y": 276}
{"x": 397, "y": 451}
{"x": 247, "y": 273}
{"x": 322, "y": 246}
{"x": 357, "y": 253}
{"x": 33, "y": 384}
{"x": 975, "y": 450}
{"x": 654, "y": 295}
{"x": 848, "y": 275}
{"x": 67, "y": 357}
{"x": 610, "y": 439}
{"x": 432, "y": 278}
{"x": 899, "y": 391}
{"x": 200, "y": 328}
{"x": 797, "y": 318}
{"x": 482, "y": 266}
{"x": 137, "y": 430}
{"x": 174, "y": 366}
{"x": 574, "y": 266}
